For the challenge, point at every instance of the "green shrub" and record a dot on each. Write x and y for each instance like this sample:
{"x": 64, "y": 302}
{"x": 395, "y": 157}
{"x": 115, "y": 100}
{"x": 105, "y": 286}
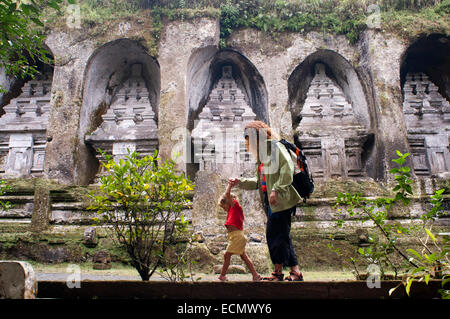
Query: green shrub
{"x": 142, "y": 201}
{"x": 384, "y": 249}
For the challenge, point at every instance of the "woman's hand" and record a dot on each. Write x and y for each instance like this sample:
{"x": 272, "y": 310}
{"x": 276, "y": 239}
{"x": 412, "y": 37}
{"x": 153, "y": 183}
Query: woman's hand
{"x": 273, "y": 198}
{"x": 234, "y": 181}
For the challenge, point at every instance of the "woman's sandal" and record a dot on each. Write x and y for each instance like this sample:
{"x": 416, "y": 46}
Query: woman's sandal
{"x": 275, "y": 277}
{"x": 295, "y": 276}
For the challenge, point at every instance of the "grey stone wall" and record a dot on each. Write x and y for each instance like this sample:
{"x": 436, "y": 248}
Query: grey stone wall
{"x": 274, "y": 76}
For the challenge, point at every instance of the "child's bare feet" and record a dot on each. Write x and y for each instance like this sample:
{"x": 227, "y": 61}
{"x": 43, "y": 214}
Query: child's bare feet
{"x": 222, "y": 278}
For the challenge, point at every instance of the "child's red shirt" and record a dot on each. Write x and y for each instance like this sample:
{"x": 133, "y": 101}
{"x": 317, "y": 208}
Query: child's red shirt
{"x": 235, "y": 216}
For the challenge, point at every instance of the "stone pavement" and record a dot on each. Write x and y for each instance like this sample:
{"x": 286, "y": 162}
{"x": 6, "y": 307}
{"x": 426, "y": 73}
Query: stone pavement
{"x": 61, "y": 276}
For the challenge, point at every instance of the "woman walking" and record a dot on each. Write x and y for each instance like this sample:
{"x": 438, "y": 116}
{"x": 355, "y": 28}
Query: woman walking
{"x": 279, "y": 197}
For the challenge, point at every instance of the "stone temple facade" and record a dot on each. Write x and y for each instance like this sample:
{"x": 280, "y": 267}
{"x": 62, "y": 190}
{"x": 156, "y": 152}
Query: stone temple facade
{"x": 427, "y": 116}
{"x": 330, "y": 134}
{"x": 23, "y": 129}
{"x": 129, "y": 123}
{"x": 350, "y": 106}
{"x": 218, "y": 137}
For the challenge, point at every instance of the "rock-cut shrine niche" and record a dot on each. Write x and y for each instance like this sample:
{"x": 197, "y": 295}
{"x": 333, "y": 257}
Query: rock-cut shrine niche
{"x": 330, "y": 133}
{"x": 427, "y": 117}
{"x": 224, "y": 90}
{"x": 218, "y": 134}
{"x": 129, "y": 122}
{"x": 23, "y": 128}
{"x": 424, "y": 76}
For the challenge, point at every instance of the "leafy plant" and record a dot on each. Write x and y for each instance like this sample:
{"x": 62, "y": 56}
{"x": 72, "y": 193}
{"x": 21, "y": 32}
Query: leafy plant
{"x": 21, "y": 46}
{"x": 383, "y": 242}
{"x": 403, "y": 177}
{"x": 142, "y": 201}
{"x": 383, "y": 249}
{"x": 274, "y": 17}
{"x": 3, "y": 189}
{"x": 430, "y": 264}
{"x": 229, "y": 19}
{"x": 432, "y": 261}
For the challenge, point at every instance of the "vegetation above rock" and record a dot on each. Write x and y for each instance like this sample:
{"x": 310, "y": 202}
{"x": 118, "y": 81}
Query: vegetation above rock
{"x": 406, "y": 18}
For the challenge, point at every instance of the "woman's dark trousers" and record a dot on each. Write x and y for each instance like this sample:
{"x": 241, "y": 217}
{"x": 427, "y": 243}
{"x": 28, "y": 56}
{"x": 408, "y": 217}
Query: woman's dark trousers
{"x": 279, "y": 238}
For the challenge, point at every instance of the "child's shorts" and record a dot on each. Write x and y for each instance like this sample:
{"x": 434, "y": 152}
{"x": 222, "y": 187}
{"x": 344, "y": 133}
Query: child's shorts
{"x": 236, "y": 242}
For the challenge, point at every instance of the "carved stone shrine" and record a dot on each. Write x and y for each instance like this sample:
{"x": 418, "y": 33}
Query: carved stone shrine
{"x": 23, "y": 129}
{"x": 331, "y": 137}
{"x": 129, "y": 123}
{"x": 218, "y": 135}
{"x": 427, "y": 117}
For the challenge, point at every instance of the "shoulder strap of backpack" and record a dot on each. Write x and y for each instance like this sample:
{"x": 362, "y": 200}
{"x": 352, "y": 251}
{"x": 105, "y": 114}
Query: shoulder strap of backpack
{"x": 288, "y": 145}
{"x": 291, "y": 147}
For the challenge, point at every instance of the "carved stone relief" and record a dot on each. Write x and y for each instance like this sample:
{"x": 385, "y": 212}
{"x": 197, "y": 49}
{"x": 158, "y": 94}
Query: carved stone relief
{"x": 218, "y": 134}
{"x": 427, "y": 117}
{"x": 331, "y": 136}
{"x": 23, "y": 129}
{"x": 129, "y": 123}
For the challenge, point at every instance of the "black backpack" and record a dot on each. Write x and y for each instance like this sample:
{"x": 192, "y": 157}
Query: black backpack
{"x": 302, "y": 181}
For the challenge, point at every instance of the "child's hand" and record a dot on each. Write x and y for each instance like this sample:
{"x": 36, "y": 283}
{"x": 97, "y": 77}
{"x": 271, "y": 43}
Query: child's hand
{"x": 233, "y": 181}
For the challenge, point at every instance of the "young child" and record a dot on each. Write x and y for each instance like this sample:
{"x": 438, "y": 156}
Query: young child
{"x": 235, "y": 233}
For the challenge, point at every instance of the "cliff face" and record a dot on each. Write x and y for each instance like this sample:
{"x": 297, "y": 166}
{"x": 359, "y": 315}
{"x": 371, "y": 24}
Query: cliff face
{"x": 344, "y": 102}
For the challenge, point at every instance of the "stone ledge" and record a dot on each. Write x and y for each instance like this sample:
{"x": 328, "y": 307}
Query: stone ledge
{"x": 234, "y": 290}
